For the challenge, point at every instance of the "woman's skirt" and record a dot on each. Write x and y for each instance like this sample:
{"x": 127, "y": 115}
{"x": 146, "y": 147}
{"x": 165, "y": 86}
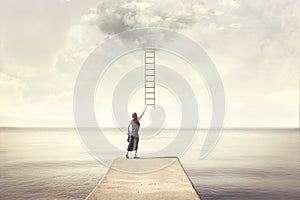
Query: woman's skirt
{"x": 133, "y": 143}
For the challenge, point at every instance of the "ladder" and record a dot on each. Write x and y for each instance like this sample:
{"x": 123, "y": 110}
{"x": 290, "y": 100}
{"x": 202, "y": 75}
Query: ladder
{"x": 150, "y": 76}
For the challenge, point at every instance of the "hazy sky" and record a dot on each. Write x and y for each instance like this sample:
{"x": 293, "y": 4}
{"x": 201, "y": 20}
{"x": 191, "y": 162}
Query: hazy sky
{"x": 254, "y": 44}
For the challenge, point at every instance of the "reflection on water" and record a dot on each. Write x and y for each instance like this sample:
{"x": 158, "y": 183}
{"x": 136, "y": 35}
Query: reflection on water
{"x": 246, "y": 164}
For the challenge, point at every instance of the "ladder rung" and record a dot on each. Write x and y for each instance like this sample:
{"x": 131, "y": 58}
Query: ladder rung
{"x": 150, "y": 75}
{"x": 149, "y": 98}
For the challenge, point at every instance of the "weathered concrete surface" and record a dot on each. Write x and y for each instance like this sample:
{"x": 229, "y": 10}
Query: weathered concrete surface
{"x": 128, "y": 179}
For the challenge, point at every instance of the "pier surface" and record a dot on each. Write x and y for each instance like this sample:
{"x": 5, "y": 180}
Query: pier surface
{"x": 145, "y": 178}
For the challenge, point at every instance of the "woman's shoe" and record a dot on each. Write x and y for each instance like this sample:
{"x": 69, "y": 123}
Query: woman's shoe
{"x": 127, "y": 156}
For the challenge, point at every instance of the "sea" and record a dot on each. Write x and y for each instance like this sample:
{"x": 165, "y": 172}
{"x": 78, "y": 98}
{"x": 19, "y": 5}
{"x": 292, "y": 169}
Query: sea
{"x": 246, "y": 163}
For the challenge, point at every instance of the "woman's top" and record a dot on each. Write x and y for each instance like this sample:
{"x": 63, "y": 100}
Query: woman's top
{"x": 135, "y": 126}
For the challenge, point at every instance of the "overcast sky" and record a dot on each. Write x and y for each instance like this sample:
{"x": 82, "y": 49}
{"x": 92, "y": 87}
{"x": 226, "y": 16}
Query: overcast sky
{"x": 254, "y": 45}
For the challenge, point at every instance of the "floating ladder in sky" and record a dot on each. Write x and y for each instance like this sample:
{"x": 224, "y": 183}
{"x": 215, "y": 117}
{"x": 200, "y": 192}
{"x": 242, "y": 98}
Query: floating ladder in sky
{"x": 150, "y": 76}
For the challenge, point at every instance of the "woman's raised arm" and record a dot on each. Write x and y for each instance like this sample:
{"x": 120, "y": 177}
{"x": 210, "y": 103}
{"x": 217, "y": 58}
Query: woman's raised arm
{"x": 140, "y": 117}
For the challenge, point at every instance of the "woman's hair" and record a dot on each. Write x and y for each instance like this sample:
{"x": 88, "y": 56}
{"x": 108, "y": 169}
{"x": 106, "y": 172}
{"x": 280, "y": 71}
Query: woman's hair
{"x": 134, "y": 115}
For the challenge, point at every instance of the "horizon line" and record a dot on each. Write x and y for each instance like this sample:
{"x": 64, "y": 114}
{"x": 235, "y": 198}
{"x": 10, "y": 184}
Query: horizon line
{"x": 201, "y": 128}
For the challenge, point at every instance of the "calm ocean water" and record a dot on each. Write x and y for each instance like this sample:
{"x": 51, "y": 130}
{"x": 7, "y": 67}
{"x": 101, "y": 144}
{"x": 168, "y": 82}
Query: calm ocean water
{"x": 245, "y": 164}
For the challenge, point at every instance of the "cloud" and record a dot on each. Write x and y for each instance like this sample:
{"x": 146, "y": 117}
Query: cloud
{"x": 111, "y": 17}
{"x": 230, "y": 3}
{"x": 12, "y": 101}
{"x": 118, "y": 16}
{"x": 83, "y": 38}
{"x": 235, "y": 25}
{"x": 19, "y": 102}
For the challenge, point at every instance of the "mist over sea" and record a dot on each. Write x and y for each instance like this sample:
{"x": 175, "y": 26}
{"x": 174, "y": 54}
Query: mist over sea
{"x": 51, "y": 163}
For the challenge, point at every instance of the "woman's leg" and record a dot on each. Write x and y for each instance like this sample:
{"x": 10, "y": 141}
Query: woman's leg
{"x": 129, "y": 148}
{"x": 136, "y": 143}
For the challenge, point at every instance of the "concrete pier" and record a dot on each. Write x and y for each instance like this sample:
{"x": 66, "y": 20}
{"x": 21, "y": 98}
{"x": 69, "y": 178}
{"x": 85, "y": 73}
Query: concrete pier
{"x": 145, "y": 178}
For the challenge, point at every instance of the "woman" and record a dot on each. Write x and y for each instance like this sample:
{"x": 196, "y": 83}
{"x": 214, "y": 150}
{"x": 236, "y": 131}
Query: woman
{"x": 133, "y": 135}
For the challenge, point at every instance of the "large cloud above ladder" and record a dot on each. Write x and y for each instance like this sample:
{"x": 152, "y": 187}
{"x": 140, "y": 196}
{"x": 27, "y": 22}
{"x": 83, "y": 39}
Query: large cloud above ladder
{"x": 117, "y": 16}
